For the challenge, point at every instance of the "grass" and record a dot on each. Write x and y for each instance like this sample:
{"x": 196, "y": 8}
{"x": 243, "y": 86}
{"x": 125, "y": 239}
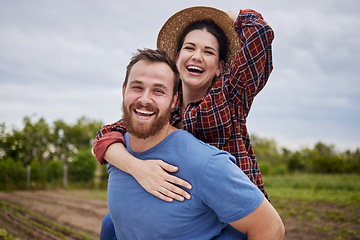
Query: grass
{"x": 4, "y": 235}
{"x": 337, "y": 189}
{"x": 317, "y": 206}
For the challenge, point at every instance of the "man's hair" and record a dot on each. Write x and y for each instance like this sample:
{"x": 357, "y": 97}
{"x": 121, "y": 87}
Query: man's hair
{"x": 152, "y": 56}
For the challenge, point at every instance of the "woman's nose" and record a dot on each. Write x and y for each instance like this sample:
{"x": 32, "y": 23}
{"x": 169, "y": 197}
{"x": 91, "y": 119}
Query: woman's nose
{"x": 197, "y": 55}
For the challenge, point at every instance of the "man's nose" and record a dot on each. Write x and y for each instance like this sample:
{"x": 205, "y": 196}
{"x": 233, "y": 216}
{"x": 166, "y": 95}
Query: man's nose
{"x": 145, "y": 98}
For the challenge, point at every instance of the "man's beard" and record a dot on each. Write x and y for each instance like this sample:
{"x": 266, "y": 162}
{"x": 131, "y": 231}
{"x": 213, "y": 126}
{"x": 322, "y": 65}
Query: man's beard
{"x": 145, "y": 130}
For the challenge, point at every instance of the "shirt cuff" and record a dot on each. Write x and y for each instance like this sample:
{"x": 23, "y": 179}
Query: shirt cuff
{"x": 101, "y": 145}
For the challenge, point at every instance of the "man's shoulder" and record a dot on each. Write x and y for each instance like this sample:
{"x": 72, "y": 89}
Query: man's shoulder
{"x": 188, "y": 144}
{"x": 185, "y": 138}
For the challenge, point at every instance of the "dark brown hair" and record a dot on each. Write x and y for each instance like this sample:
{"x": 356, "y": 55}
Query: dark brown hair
{"x": 150, "y": 55}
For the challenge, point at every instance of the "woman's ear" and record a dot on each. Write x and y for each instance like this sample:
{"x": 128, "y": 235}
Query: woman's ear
{"x": 221, "y": 68}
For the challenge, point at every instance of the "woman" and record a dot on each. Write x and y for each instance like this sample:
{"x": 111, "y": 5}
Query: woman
{"x": 214, "y": 113}
{"x": 218, "y": 88}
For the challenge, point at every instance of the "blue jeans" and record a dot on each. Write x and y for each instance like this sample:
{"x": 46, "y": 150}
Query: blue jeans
{"x": 107, "y": 229}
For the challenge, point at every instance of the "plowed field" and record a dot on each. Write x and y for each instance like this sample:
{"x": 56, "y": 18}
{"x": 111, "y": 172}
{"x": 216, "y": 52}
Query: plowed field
{"x": 44, "y": 215}
{"x": 61, "y": 214}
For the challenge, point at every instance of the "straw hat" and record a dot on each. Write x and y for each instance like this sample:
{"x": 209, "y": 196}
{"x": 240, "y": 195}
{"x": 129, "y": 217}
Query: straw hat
{"x": 177, "y": 23}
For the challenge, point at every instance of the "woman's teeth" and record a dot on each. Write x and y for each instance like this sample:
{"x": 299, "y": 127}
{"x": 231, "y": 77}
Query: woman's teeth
{"x": 195, "y": 69}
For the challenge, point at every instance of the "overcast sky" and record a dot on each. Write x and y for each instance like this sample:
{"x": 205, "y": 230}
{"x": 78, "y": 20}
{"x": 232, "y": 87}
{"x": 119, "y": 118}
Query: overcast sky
{"x": 66, "y": 59}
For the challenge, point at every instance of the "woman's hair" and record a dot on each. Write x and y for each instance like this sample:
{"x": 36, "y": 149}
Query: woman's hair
{"x": 151, "y": 56}
{"x": 211, "y": 27}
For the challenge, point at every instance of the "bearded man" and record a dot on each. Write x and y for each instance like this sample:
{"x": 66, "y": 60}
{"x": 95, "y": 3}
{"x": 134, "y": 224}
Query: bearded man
{"x": 224, "y": 203}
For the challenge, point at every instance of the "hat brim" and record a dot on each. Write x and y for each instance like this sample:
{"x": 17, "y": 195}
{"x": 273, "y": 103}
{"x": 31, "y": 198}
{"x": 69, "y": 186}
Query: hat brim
{"x": 171, "y": 31}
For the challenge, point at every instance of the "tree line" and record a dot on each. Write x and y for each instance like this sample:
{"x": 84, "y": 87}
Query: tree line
{"x": 320, "y": 159}
{"x": 41, "y": 155}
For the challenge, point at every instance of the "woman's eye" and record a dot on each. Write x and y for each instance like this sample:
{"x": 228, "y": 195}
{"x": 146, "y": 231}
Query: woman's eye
{"x": 189, "y": 48}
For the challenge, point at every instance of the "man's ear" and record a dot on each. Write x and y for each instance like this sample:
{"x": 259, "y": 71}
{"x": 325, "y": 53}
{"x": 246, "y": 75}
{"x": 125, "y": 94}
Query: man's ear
{"x": 123, "y": 89}
{"x": 175, "y": 98}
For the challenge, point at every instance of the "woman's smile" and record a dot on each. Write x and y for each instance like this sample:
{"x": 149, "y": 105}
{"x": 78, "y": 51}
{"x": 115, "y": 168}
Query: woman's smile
{"x": 198, "y": 61}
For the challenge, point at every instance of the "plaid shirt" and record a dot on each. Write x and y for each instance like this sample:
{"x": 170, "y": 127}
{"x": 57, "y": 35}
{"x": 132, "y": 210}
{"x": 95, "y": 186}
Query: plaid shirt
{"x": 220, "y": 117}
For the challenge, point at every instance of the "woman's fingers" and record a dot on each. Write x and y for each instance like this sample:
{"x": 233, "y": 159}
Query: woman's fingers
{"x": 174, "y": 191}
{"x": 154, "y": 177}
{"x": 172, "y": 179}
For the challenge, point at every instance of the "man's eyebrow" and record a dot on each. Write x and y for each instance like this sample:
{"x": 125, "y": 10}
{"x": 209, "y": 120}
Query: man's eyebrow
{"x": 160, "y": 85}
{"x": 135, "y": 82}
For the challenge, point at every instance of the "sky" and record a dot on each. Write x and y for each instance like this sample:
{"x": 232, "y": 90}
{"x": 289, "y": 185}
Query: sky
{"x": 67, "y": 59}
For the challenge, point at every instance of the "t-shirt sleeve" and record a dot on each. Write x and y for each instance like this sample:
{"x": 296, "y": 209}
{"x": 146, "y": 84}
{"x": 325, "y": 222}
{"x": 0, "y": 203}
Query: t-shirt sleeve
{"x": 227, "y": 190}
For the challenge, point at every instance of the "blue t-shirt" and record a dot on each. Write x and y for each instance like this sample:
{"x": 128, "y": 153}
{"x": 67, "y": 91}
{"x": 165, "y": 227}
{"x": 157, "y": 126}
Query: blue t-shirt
{"x": 221, "y": 193}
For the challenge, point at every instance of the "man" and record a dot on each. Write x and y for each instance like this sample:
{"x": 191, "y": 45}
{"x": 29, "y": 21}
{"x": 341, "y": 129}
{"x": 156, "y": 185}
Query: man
{"x": 223, "y": 197}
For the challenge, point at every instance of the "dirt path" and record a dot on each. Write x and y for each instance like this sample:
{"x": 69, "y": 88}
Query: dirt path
{"x": 73, "y": 209}
{"x": 53, "y": 215}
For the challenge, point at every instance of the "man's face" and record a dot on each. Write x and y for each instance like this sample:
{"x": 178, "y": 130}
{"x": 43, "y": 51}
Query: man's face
{"x": 147, "y": 98}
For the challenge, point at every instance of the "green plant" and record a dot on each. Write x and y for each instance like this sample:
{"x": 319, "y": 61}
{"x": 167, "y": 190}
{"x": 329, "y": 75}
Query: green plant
{"x": 6, "y": 236}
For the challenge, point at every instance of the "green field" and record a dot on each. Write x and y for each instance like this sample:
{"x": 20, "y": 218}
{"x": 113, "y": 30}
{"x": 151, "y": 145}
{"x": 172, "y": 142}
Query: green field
{"x": 317, "y": 206}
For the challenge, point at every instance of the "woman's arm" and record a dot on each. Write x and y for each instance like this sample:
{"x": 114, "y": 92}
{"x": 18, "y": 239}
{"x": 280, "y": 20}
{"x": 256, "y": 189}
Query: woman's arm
{"x": 107, "y": 135}
{"x": 152, "y": 175}
{"x": 253, "y": 64}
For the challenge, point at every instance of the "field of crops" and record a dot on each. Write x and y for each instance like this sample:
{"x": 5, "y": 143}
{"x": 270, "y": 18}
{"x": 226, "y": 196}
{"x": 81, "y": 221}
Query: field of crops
{"x": 311, "y": 206}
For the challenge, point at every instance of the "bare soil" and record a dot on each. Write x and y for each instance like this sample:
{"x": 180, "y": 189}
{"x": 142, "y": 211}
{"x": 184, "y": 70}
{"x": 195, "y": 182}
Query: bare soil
{"x": 72, "y": 209}
{"x": 54, "y": 215}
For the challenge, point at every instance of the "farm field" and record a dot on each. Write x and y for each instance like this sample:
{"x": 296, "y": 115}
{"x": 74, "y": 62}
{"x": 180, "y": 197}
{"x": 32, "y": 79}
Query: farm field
{"x": 311, "y": 206}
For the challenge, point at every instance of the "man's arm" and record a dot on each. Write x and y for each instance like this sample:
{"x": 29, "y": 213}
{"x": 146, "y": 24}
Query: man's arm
{"x": 263, "y": 223}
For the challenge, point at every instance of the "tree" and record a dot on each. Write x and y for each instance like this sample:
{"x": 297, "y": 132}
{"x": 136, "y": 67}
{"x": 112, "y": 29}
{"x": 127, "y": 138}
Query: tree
{"x": 265, "y": 149}
{"x": 325, "y": 159}
{"x": 82, "y": 167}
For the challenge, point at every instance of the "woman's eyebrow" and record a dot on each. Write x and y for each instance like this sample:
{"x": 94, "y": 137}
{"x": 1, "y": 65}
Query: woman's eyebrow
{"x": 206, "y": 47}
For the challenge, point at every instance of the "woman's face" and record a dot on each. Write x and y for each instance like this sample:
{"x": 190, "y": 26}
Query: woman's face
{"x": 198, "y": 60}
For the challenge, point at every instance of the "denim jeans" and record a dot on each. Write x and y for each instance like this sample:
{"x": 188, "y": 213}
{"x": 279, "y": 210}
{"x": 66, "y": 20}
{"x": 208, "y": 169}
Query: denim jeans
{"x": 107, "y": 229}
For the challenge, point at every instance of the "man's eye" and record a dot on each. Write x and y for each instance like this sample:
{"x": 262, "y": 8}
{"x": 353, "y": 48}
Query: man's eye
{"x": 136, "y": 87}
{"x": 159, "y": 91}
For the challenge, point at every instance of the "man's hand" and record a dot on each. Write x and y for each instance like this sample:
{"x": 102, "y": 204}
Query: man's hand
{"x": 153, "y": 176}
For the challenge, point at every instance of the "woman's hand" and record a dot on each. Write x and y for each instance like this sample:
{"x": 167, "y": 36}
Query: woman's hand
{"x": 233, "y": 15}
{"x": 153, "y": 176}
